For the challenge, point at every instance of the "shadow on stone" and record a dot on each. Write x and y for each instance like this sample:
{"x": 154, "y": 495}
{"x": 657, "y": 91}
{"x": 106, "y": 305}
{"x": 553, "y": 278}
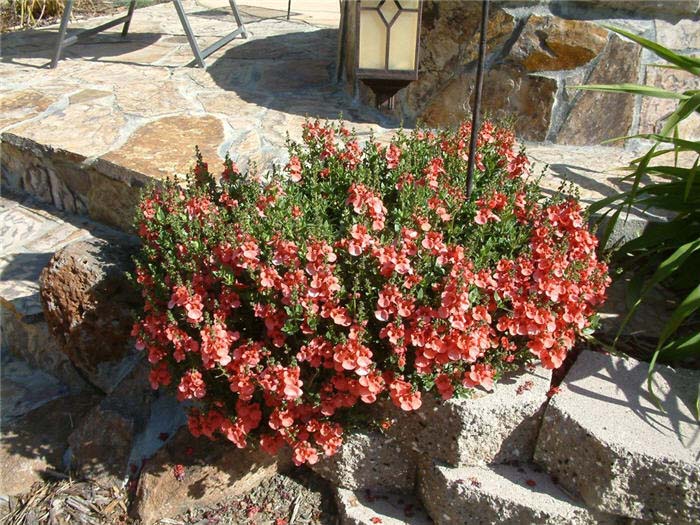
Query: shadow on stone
{"x": 292, "y": 73}
{"x": 41, "y": 44}
{"x": 33, "y": 447}
{"x": 211, "y": 472}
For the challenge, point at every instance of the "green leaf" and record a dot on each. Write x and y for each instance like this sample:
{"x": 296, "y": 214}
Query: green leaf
{"x": 664, "y": 270}
{"x": 689, "y": 305}
{"x": 632, "y": 89}
{"x": 681, "y": 348}
{"x": 685, "y": 108}
{"x": 691, "y": 179}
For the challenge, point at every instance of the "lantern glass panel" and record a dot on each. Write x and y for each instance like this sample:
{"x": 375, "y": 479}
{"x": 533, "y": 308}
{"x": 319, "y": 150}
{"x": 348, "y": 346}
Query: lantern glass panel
{"x": 402, "y": 51}
{"x": 371, "y": 3}
{"x": 389, "y": 10}
{"x": 372, "y": 40}
{"x": 409, "y": 4}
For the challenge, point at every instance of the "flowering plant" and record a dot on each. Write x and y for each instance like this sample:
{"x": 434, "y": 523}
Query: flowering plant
{"x": 280, "y": 308}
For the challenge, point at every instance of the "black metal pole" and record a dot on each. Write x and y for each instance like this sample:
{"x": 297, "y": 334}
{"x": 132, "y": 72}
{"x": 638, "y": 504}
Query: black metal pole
{"x": 476, "y": 120}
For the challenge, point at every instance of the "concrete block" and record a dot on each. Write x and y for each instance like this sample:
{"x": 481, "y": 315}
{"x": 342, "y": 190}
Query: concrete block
{"x": 369, "y": 508}
{"x": 369, "y": 460}
{"x": 503, "y": 494}
{"x": 604, "y": 438}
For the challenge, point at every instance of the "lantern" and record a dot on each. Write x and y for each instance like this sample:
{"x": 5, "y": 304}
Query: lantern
{"x": 387, "y": 39}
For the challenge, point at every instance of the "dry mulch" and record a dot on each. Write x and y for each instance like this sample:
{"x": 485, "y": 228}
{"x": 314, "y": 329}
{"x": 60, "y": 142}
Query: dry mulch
{"x": 299, "y": 498}
{"x": 66, "y": 502}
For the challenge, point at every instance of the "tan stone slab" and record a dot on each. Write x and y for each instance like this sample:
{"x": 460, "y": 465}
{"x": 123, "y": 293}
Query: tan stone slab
{"x": 17, "y": 106}
{"x": 682, "y": 34}
{"x": 166, "y": 146}
{"x": 20, "y": 226}
{"x": 100, "y": 75}
{"x": 88, "y": 95}
{"x": 28, "y": 100}
{"x": 655, "y": 110}
{"x": 88, "y": 130}
{"x": 149, "y": 99}
{"x": 316, "y": 12}
{"x": 232, "y": 105}
{"x": 140, "y": 47}
{"x": 593, "y": 169}
{"x": 597, "y": 116}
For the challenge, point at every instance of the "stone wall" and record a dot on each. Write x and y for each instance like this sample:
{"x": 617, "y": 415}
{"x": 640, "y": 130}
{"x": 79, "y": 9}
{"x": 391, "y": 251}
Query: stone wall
{"x": 536, "y": 52}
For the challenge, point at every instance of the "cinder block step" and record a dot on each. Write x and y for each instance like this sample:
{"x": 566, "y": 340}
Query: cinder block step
{"x": 503, "y": 494}
{"x": 488, "y": 427}
{"x": 363, "y": 507}
{"x": 604, "y": 438}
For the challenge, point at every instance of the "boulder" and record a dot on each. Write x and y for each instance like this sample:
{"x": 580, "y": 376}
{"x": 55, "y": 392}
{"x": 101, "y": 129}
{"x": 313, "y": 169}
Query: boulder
{"x": 605, "y": 438}
{"x": 100, "y": 446}
{"x": 365, "y": 507}
{"x": 24, "y": 388}
{"x": 212, "y": 472}
{"x": 36, "y": 443}
{"x": 504, "y": 494}
{"x": 88, "y": 303}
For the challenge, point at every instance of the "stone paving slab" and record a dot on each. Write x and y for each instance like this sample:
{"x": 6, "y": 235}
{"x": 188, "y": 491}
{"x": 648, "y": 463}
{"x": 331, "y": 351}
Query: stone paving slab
{"x": 604, "y": 438}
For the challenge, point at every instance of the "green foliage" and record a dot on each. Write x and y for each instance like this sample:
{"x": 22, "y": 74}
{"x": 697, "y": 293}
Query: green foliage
{"x": 667, "y": 253}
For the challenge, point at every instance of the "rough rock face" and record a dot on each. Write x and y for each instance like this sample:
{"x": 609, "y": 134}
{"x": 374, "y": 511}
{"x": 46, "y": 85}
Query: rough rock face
{"x": 101, "y": 445}
{"x": 37, "y": 441}
{"x": 595, "y": 116}
{"x": 550, "y": 43}
{"x": 508, "y": 90}
{"x": 655, "y": 110}
{"x": 88, "y": 304}
{"x": 213, "y": 471}
{"x": 535, "y": 53}
{"x": 604, "y": 439}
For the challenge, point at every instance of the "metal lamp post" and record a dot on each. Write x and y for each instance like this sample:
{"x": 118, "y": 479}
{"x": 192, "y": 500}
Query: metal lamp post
{"x": 476, "y": 109}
